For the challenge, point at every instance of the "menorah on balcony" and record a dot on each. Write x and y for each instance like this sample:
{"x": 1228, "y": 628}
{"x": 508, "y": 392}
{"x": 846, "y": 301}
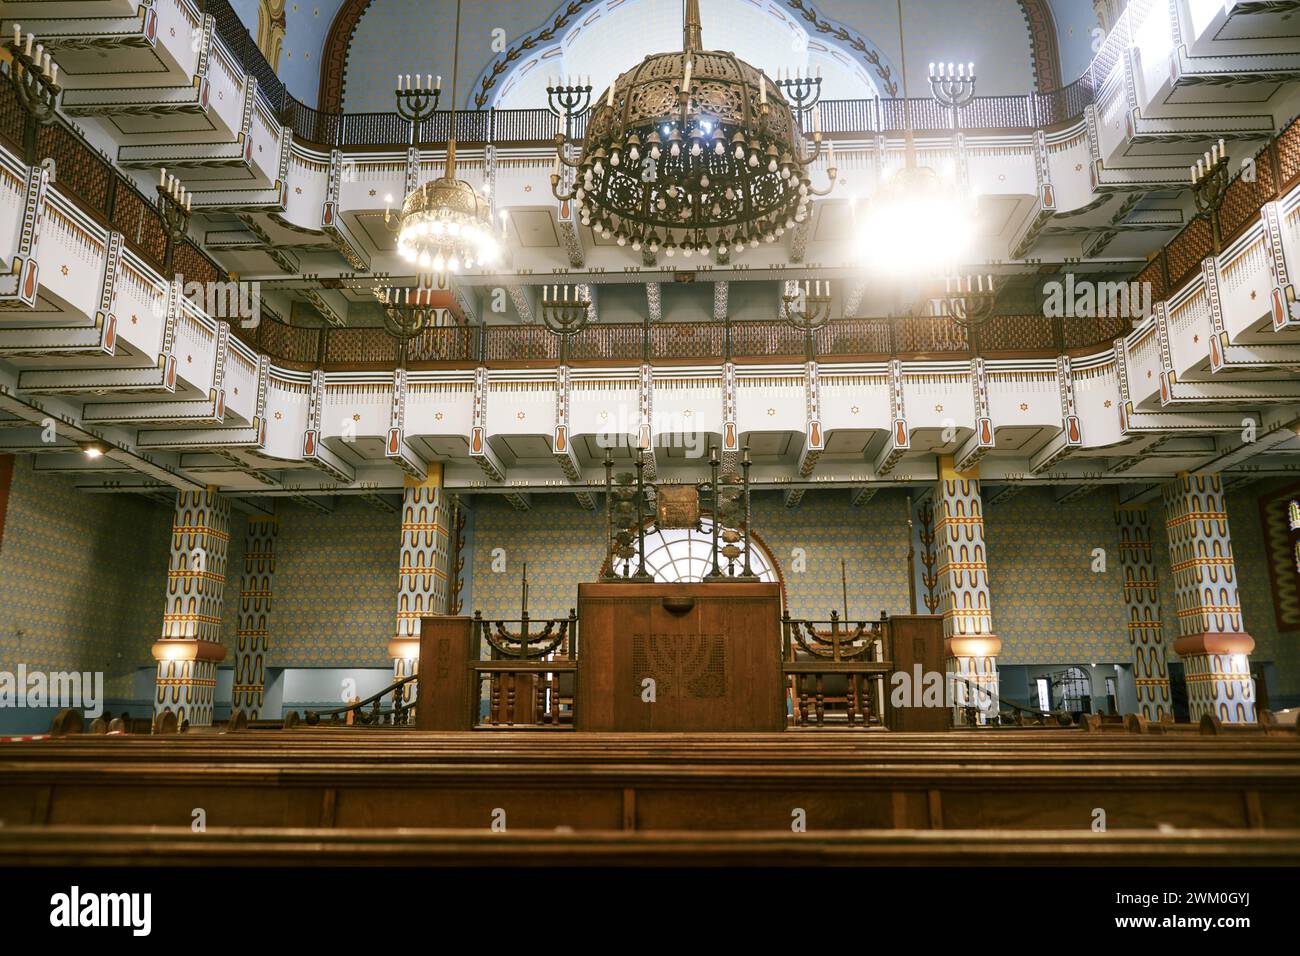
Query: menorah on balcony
{"x": 35, "y": 79}
{"x": 969, "y": 300}
{"x": 568, "y": 100}
{"x": 566, "y": 311}
{"x": 801, "y": 91}
{"x": 953, "y": 86}
{"x": 408, "y": 312}
{"x": 1210, "y": 188}
{"x": 417, "y": 99}
{"x": 174, "y": 202}
{"x": 807, "y": 308}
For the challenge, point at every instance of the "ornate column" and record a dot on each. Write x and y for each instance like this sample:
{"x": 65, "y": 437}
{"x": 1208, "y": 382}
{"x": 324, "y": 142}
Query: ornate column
{"x": 190, "y": 647}
{"x": 1142, "y": 602}
{"x": 1212, "y": 642}
{"x": 255, "y": 586}
{"x": 970, "y": 647}
{"x": 422, "y": 575}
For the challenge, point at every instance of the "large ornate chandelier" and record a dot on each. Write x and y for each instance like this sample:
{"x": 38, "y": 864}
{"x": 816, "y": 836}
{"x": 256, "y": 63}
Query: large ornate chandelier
{"x": 445, "y": 224}
{"x": 690, "y": 151}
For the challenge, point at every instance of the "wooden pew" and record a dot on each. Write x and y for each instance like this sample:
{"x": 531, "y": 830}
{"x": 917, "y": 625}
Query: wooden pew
{"x": 179, "y": 846}
{"x": 710, "y": 782}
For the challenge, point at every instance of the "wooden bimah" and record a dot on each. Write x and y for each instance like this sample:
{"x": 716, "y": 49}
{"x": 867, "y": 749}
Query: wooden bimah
{"x": 680, "y": 657}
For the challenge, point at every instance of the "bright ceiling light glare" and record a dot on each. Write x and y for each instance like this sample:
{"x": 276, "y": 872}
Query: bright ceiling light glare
{"x": 93, "y": 449}
{"x": 918, "y": 224}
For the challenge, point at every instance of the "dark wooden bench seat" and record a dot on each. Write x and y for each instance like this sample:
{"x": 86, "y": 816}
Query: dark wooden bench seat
{"x": 346, "y": 779}
{"x": 179, "y": 846}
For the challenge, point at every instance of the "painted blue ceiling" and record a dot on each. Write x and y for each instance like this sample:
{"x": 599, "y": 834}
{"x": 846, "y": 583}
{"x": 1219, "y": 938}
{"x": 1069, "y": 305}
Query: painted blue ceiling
{"x": 417, "y": 35}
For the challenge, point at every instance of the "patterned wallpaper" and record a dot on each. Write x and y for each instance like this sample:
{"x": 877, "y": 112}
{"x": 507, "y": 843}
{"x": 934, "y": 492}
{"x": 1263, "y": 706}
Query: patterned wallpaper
{"x": 335, "y": 597}
{"x": 82, "y": 578}
{"x": 1048, "y": 604}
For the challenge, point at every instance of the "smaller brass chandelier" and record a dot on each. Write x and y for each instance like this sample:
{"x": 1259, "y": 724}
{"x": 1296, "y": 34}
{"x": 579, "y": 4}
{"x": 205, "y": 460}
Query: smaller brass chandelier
{"x": 445, "y": 224}
{"x": 918, "y": 219}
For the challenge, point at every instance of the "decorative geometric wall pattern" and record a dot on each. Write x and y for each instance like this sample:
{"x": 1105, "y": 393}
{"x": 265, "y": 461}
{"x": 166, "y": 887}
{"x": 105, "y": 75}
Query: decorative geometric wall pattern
{"x": 196, "y": 584}
{"x": 1142, "y": 604}
{"x": 1209, "y": 608}
{"x": 82, "y": 578}
{"x": 256, "y": 588}
{"x": 1051, "y": 607}
{"x": 334, "y": 581}
{"x": 964, "y": 597}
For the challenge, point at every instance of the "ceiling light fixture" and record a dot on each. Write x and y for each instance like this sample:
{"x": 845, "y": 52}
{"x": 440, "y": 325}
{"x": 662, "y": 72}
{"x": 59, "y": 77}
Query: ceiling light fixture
{"x": 690, "y": 152}
{"x": 918, "y": 221}
{"x": 445, "y": 225}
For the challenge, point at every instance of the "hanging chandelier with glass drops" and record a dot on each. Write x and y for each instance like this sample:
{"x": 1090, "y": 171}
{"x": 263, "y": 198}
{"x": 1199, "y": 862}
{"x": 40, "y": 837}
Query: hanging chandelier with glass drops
{"x": 446, "y": 224}
{"x": 692, "y": 151}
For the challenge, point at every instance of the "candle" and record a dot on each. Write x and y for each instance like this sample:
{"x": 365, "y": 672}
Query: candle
{"x": 830, "y": 155}
{"x": 54, "y": 73}
{"x": 188, "y": 197}
{"x": 438, "y": 84}
{"x": 28, "y": 50}
{"x": 1222, "y": 151}
{"x": 45, "y": 64}
{"x": 686, "y": 81}
{"x": 970, "y": 70}
{"x": 817, "y": 119}
{"x": 162, "y": 176}
{"x": 18, "y": 34}
{"x": 399, "y": 82}
{"x": 1193, "y": 170}
{"x": 609, "y": 99}
{"x": 762, "y": 88}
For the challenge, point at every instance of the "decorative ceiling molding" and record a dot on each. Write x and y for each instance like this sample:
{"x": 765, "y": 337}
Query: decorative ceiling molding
{"x": 334, "y": 56}
{"x": 339, "y": 41}
{"x": 1043, "y": 49}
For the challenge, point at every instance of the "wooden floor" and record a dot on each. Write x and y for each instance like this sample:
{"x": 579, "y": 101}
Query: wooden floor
{"x": 331, "y": 795}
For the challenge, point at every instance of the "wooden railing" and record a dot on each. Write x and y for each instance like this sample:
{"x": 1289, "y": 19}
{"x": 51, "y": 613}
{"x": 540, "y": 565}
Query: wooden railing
{"x": 837, "y": 669}
{"x": 355, "y": 714}
{"x": 531, "y": 674}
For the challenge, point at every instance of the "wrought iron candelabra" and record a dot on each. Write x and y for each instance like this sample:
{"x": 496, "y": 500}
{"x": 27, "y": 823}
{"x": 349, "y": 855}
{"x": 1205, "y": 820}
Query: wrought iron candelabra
{"x": 174, "y": 209}
{"x": 807, "y": 308}
{"x": 566, "y": 311}
{"x": 35, "y": 79}
{"x": 953, "y": 86}
{"x": 970, "y": 300}
{"x": 1210, "y": 188}
{"x": 417, "y": 99}
{"x": 568, "y": 100}
{"x": 408, "y": 312}
{"x": 801, "y": 91}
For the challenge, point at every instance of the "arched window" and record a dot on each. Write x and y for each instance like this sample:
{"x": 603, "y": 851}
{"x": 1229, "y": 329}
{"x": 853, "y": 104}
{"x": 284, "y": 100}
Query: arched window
{"x": 685, "y": 554}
